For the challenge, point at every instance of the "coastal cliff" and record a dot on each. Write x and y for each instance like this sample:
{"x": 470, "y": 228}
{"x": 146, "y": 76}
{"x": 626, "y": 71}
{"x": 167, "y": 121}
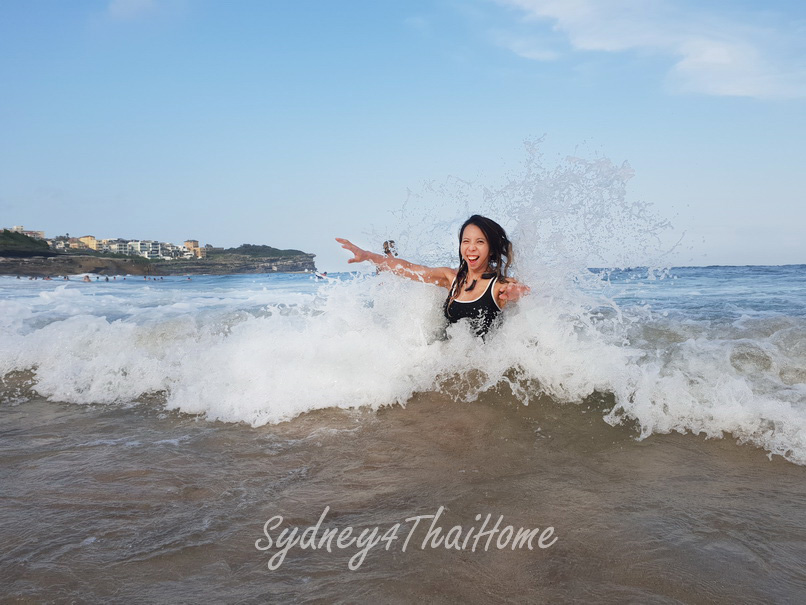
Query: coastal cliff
{"x": 227, "y": 264}
{"x": 71, "y": 264}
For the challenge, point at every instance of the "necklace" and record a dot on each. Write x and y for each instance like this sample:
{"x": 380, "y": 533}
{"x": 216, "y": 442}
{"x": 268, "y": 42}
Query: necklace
{"x": 483, "y": 276}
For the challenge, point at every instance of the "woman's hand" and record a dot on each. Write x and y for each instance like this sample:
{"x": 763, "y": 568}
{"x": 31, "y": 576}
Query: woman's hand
{"x": 441, "y": 276}
{"x": 359, "y": 255}
{"x": 512, "y": 291}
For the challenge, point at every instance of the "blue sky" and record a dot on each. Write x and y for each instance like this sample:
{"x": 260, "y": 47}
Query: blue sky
{"x": 291, "y": 122}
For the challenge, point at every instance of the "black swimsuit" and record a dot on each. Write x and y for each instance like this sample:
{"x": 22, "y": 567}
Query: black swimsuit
{"x": 481, "y": 312}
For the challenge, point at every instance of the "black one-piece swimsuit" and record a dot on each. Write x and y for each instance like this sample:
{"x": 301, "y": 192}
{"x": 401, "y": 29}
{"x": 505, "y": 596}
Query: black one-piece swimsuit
{"x": 482, "y": 311}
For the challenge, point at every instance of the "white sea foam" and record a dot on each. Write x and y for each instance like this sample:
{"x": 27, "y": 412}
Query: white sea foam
{"x": 261, "y": 350}
{"x": 376, "y": 341}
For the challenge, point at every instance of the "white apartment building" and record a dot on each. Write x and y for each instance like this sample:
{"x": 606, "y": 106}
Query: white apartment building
{"x": 145, "y": 248}
{"x": 156, "y": 250}
{"x": 116, "y": 246}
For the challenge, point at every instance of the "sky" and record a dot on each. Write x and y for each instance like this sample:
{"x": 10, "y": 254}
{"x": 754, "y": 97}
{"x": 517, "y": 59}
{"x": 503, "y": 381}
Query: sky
{"x": 292, "y": 122}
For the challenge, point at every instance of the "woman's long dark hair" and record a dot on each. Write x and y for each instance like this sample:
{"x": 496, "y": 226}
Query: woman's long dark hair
{"x": 500, "y": 249}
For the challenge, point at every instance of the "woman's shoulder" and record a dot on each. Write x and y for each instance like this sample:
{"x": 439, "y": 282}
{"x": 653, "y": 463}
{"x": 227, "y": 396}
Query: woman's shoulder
{"x": 441, "y": 276}
{"x": 498, "y": 283}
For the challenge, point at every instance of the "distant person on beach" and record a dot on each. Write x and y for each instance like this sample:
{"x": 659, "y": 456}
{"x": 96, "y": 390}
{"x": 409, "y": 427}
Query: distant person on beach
{"x": 479, "y": 289}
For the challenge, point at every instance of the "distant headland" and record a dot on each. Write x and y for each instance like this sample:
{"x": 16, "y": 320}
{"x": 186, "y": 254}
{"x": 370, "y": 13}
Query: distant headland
{"x": 30, "y": 253}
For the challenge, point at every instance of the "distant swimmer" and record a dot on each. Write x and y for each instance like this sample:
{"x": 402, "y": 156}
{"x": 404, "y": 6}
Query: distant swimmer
{"x": 485, "y": 255}
{"x": 322, "y": 275}
{"x": 86, "y": 278}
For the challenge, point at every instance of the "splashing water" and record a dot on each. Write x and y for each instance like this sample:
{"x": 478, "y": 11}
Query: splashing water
{"x": 266, "y": 349}
{"x": 562, "y": 220}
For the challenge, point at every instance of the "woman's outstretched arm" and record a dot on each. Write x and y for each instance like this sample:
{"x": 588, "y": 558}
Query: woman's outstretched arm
{"x": 511, "y": 291}
{"x": 441, "y": 276}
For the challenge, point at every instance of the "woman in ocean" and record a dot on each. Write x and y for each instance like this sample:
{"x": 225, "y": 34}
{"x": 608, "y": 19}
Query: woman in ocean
{"x": 479, "y": 289}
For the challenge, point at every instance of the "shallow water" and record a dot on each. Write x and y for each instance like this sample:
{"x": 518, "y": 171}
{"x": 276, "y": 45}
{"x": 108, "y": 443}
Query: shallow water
{"x": 136, "y": 505}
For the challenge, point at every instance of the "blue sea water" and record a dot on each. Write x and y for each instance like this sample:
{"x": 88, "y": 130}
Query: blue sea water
{"x": 717, "y": 292}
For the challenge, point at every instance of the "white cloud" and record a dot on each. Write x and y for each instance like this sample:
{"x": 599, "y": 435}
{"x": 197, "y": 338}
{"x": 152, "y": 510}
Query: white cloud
{"x": 757, "y": 55}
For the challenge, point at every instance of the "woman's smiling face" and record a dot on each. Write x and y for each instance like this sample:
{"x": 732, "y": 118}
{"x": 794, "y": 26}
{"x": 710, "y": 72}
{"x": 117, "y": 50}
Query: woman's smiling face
{"x": 474, "y": 248}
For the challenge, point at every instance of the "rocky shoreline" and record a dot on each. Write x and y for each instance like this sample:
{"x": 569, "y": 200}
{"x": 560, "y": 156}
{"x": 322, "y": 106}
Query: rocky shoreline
{"x": 40, "y": 266}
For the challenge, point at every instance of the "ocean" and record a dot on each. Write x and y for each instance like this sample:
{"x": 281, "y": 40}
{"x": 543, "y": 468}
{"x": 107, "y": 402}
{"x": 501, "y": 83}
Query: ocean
{"x": 624, "y": 436}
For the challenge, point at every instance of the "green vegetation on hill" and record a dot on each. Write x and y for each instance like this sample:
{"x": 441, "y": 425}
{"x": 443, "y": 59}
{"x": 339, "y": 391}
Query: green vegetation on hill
{"x": 18, "y": 245}
{"x": 257, "y": 251}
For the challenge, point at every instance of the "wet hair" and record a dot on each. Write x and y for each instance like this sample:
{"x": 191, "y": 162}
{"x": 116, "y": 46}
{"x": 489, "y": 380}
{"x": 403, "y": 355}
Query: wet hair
{"x": 500, "y": 249}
